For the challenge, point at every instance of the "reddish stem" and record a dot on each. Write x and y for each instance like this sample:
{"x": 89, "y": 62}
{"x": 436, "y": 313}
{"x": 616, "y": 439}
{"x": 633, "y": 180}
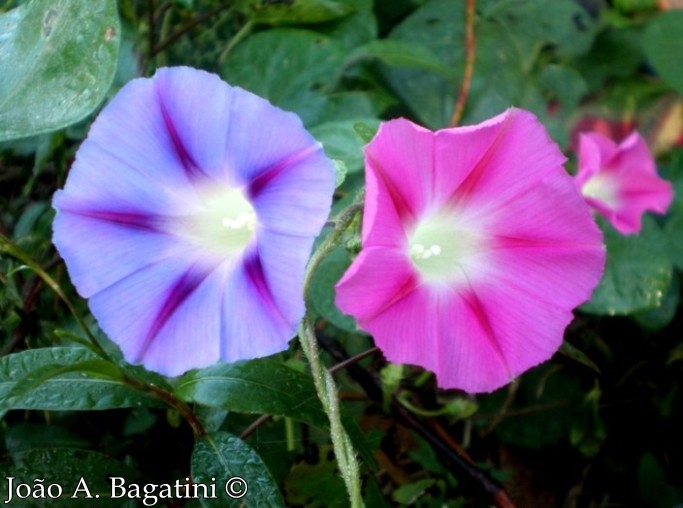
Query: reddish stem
{"x": 469, "y": 64}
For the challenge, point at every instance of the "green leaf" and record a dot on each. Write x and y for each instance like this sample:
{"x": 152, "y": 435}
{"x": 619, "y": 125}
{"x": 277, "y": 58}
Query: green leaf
{"x": 633, "y": 6}
{"x": 661, "y": 316}
{"x": 364, "y": 131}
{"x": 24, "y": 437}
{"x": 357, "y": 28}
{"x": 673, "y": 228}
{"x": 211, "y": 417}
{"x": 675, "y": 355}
{"x": 138, "y": 421}
{"x": 674, "y": 232}
{"x": 264, "y": 386}
{"x": 532, "y": 24}
{"x": 258, "y": 386}
{"x": 409, "y": 493}
{"x": 397, "y": 53}
{"x": 341, "y": 141}
{"x": 340, "y": 171}
{"x": 556, "y": 392}
{"x": 27, "y": 222}
{"x": 439, "y": 26}
{"x": 615, "y": 53}
{"x": 66, "y": 467}
{"x": 588, "y": 431}
{"x": 566, "y": 85}
{"x": 637, "y": 274}
{"x": 662, "y": 43}
{"x": 352, "y": 105}
{"x": 316, "y": 485}
{"x": 57, "y": 62}
{"x": 62, "y": 389}
{"x": 96, "y": 367}
{"x": 222, "y": 458}
{"x": 299, "y": 12}
{"x": 515, "y": 83}
{"x": 654, "y": 486}
{"x": 294, "y": 69}
{"x": 577, "y": 355}
{"x": 321, "y": 294}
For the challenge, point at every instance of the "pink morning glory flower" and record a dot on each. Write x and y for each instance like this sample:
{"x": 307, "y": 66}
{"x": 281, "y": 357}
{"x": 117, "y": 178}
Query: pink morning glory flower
{"x": 188, "y": 218}
{"x": 620, "y": 181}
{"x": 476, "y": 248}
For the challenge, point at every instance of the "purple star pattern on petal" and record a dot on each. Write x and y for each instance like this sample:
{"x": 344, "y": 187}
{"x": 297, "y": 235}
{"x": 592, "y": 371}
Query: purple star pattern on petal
{"x": 476, "y": 248}
{"x": 188, "y": 218}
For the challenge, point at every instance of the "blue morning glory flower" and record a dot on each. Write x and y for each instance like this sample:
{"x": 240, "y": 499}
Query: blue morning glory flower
{"x": 188, "y": 218}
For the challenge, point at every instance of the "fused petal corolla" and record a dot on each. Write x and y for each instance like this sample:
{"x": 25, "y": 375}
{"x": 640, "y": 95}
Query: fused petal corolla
{"x": 620, "y": 181}
{"x": 188, "y": 218}
{"x": 476, "y": 248}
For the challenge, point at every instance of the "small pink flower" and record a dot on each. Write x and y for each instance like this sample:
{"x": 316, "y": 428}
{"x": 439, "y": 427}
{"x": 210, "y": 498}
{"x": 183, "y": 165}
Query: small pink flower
{"x": 476, "y": 248}
{"x": 621, "y": 181}
{"x": 615, "y": 128}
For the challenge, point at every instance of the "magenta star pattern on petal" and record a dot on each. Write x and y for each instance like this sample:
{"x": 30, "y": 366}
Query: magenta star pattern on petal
{"x": 620, "y": 181}
{"x": 476, "y": 248}
{"x": 188, "y": 218}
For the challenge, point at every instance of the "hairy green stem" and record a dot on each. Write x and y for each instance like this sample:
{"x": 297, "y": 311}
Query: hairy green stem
{"x": 322, "y": 379}
{"x": 327, "y": 393}
{"x": 340, "y": 223}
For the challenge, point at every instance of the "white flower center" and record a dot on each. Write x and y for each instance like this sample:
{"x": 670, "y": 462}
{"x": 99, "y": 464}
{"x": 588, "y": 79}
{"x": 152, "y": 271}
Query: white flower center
{"x": 445, "y": 249}
{"x": 223, "y": 223}
{"x": 602, "y": 187}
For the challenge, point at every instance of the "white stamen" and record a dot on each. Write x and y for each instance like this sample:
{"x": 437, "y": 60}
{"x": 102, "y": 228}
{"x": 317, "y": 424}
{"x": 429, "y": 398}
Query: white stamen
{"x": 603, "y": 187}
{"x": 418, "y": 251}
{"x": 243, "y": 220}
{"x": 223, "y": 223}
{"x": 445, "y": 246}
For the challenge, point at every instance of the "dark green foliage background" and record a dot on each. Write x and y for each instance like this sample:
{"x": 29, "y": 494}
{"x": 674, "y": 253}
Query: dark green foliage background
{"x": 599, "y": 425}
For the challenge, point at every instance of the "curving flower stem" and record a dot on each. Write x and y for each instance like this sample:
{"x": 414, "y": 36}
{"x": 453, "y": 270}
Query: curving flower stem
{"x": 327, "y": 393}
{"x": 9, "y": 247}
{"x": 340, "y": 224}
{"x": 236, "y": 39}
{"x": 6, "y": 245}
{"x": 324, "y": 383}
{"x": 469, "y": 64}
{"x": 186, "y": 27}
{"x": 172, "y": 401}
